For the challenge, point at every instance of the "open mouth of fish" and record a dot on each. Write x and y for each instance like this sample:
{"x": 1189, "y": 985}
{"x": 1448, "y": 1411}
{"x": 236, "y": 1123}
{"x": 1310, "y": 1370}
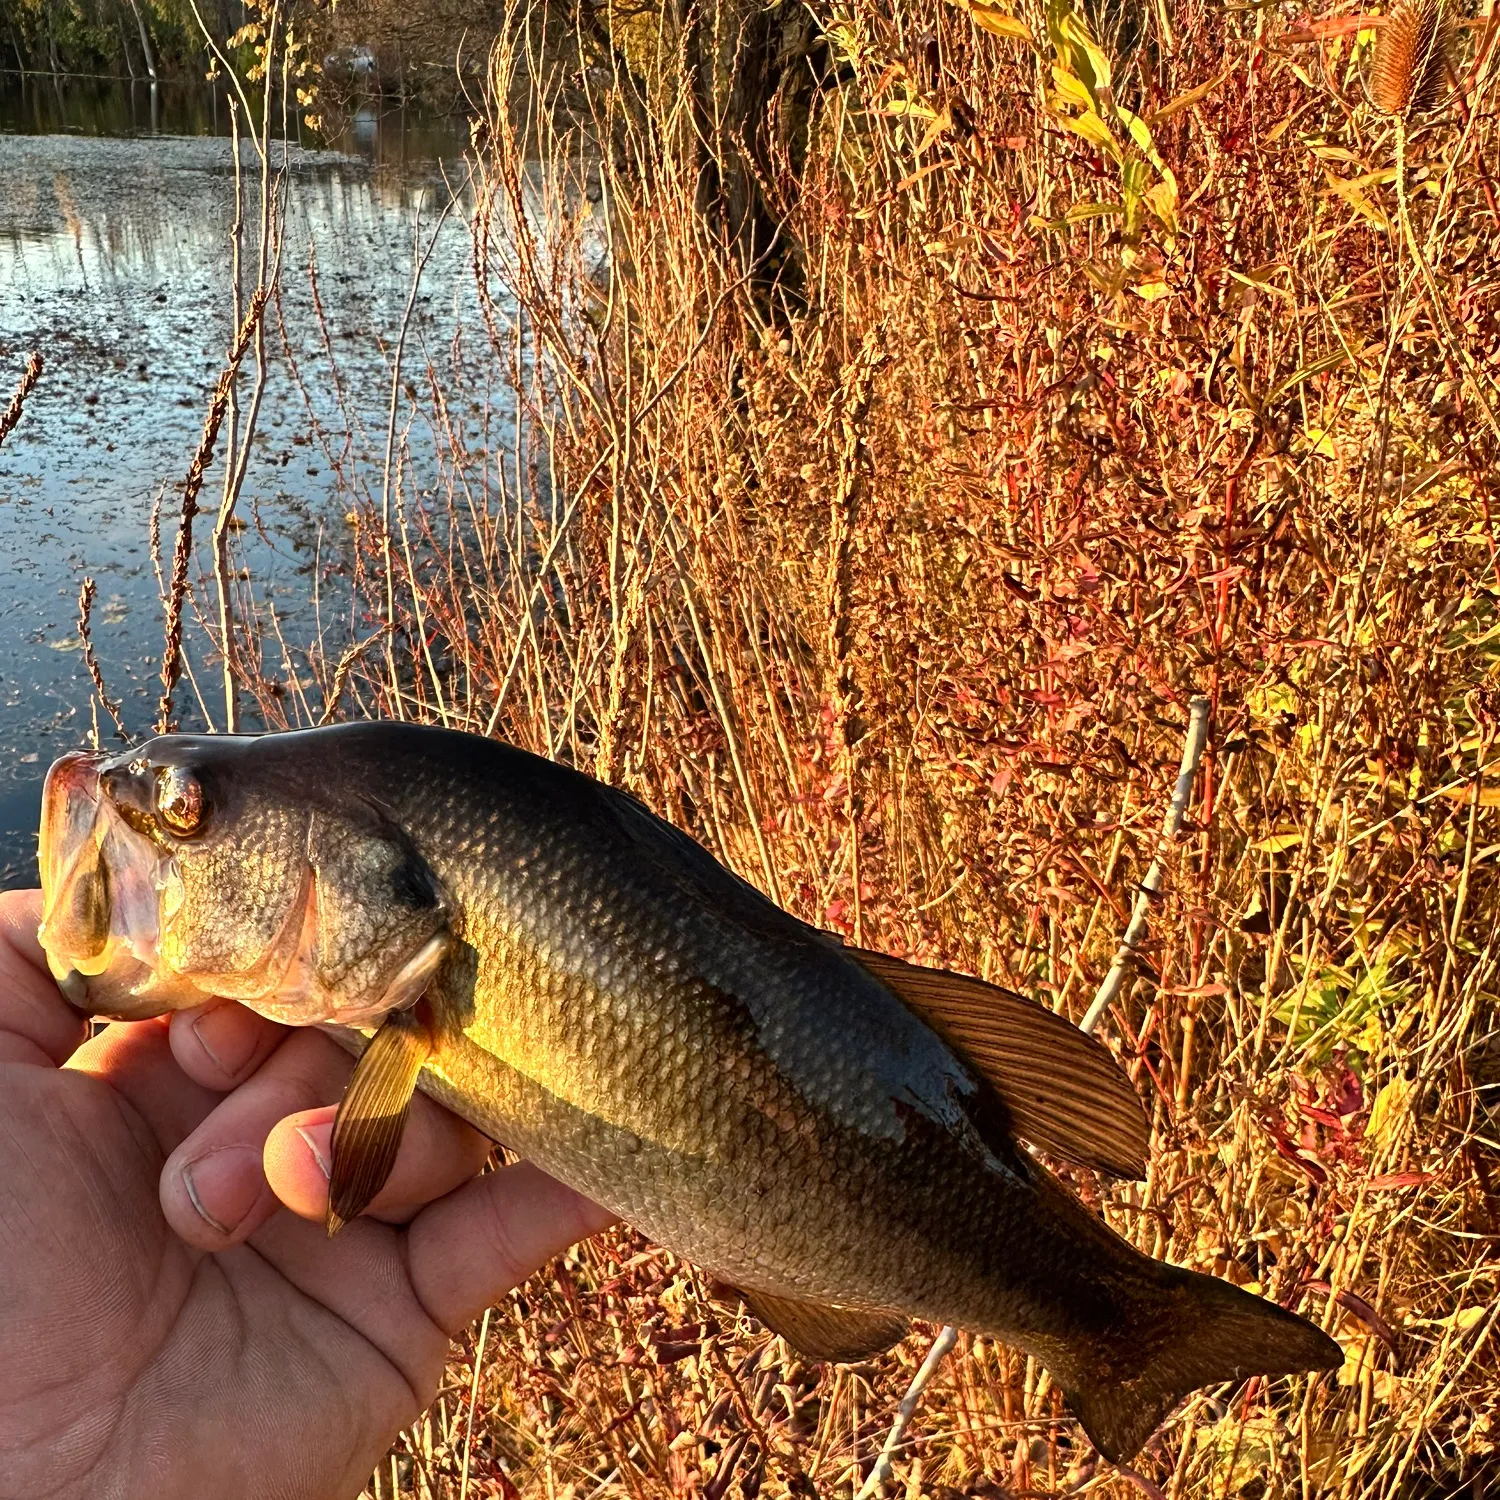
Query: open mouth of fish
{"x": 129, "y": 930}
{"x": 104, "y": 886}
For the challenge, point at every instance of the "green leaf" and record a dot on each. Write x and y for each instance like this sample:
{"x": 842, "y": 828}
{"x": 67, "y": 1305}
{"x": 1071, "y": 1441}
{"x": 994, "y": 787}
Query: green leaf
{"x": 1307, "y": 372}
{"x": 1084, "y": 211}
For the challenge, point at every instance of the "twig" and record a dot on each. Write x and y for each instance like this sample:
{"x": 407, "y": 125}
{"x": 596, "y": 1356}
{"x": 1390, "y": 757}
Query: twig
{"x": 85, "y": 609}
{"x": 12, "y": 413}
{"x": 1172, "y": 825}
{"x": 1192, "y": 753}
{"x": 880, "y": 1475}
{"x": 1456, "y": 348}
{"x": 484, "y": 1333}
{"x": 859, "y": 389}
{"x": 171, "y": 663}
{"x": 419, "y": 266}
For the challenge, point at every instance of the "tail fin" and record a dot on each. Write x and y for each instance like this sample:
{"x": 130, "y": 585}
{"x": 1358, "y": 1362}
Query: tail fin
{"x": 1202, "y": 1331}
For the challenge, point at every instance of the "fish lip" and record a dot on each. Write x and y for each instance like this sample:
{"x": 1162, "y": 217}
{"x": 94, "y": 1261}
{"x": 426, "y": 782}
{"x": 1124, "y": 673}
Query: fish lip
{"x": 81, "y": 820}
{"x": 77, "y": 772}
{"x": 70, "y": 808}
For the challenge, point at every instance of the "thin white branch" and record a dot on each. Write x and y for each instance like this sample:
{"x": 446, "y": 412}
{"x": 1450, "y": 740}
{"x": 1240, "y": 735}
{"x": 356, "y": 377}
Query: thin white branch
{"x": 881, "y": 1473}
{"x": 1192, "y": 753}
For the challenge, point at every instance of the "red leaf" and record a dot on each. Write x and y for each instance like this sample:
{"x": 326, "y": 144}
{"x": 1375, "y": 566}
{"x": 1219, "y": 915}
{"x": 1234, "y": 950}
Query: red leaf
{"x": 1400, "y": 1180}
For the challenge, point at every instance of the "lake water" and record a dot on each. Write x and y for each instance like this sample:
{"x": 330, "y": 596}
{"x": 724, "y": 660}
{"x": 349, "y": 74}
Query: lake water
{"x": 115, "y": 264}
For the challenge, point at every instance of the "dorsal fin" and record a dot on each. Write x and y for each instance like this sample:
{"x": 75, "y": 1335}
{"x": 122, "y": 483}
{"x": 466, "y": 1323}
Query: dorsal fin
{"x": 1065, "y": 1093}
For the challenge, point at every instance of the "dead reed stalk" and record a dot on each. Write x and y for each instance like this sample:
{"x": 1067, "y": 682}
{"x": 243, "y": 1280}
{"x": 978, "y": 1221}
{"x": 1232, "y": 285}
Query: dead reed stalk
{"x": 12, "y": 413}
{"x": 86, "y": 595}
{"x": 182, "y": 552}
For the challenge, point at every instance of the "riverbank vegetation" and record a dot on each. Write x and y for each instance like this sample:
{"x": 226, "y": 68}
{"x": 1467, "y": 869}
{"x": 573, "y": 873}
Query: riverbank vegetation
{"x": 875, "y": 425}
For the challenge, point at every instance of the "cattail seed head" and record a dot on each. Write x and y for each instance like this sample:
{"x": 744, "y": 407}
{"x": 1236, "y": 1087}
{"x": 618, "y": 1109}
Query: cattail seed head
{"x": 1411, "y": 59}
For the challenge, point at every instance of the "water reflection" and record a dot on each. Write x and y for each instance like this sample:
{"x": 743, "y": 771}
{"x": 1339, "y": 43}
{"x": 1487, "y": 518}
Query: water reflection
{"x": 380, "y": 129}
{"x": 115, "y": 263}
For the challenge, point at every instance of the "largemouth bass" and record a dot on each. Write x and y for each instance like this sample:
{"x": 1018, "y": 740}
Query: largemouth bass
{"x": 833, "y": 1132}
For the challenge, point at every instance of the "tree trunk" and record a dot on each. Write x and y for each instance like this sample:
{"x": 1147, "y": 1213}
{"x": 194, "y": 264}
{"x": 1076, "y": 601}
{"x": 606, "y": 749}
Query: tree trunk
{"x": 125, "y": 43}
{"x": 52, "y": 61}
{"x": 146, "y": 52}
{"x": 746, "y": 74}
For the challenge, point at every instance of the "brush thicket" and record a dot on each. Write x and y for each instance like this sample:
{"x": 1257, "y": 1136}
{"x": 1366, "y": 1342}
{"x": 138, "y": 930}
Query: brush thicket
{"x": 887, "y": 565}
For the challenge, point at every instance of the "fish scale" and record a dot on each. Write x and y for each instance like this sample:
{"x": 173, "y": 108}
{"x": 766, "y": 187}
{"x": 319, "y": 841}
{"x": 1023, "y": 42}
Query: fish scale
{"x": 835, "y": 1134}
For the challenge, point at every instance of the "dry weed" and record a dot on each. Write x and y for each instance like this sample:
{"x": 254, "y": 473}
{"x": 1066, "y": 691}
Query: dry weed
{"x": 1082, "y": 377}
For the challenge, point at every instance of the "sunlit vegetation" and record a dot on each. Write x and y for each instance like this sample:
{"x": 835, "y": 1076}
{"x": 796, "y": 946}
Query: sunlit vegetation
{"x": 875, "y": 424}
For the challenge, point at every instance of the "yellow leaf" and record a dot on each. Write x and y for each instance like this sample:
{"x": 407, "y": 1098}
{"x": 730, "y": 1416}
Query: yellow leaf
{"x": 1388, "y": 1110}
{"x": 1276, "y": 842}
{"x": 1140, "y": 133}
{"x": 912, "y": 108}
{"x": 1096, "y": 132}
{"x": 1320, "y": 444}
{"x": 1350, "y": 192}
{"x": 996, "y": 20}
{"x": 1003, "y": 25}
{"x": 1187, "y": 100}
{"x": 1357, "y": 1354}
{"x": 1152, "y": 291}
{"x": 940, "y": 125}
{"x": 1071, "y": 87}
{"x": 1076, "y": 48}
{"x": 1162, "y": 200}
{"x": 1489, "y": 796}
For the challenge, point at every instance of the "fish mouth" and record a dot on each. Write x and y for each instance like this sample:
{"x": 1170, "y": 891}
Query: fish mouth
{"x": 102, "y": 882}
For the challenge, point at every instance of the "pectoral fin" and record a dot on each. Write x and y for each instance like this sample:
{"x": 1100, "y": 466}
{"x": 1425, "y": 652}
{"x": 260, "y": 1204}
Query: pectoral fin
{"x": 367, "y": 1129}
{"x": 818, "y": 1331}
{"x": 1065, "y": 1092}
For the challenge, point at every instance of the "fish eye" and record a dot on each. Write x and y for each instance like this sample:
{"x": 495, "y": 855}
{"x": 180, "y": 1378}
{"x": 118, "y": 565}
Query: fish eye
{"x": 179, "y": 800}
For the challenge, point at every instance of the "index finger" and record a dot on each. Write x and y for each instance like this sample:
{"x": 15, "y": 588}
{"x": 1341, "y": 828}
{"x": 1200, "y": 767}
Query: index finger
{"x": 36, "y": 1024}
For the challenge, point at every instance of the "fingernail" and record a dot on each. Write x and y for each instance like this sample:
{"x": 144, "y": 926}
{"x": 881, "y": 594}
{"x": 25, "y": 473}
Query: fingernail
{"x": 225, "y": 1185}
{"x": 227, "y": 1037}
{"x": 319, "y": 1141}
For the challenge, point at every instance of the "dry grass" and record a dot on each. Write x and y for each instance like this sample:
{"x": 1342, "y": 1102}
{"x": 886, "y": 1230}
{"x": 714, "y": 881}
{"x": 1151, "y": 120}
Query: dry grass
{"x": 12, "y": 413}
{"x": 1078, "y": 395}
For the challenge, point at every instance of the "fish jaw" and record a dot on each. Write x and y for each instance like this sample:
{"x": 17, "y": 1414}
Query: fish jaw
{"x": 303, "y": 913}
{"x": 101, "y": 900}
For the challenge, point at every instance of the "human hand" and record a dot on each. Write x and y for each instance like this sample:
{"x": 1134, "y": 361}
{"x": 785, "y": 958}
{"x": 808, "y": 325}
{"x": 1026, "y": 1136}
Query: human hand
{"x": 166, "y": 1330}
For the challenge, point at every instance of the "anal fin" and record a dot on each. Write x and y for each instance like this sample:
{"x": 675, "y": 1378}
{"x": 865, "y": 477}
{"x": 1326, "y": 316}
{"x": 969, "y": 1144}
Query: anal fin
{"x": 372, "y": 1114}
{"x": 818, "y": 1331}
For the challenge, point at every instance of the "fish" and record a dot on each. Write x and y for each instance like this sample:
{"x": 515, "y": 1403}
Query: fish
{"x": 848, "y": 1140}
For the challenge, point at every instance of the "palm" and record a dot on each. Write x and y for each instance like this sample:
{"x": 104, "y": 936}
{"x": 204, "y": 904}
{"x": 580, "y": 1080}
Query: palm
{"x": 132, "y": 1362}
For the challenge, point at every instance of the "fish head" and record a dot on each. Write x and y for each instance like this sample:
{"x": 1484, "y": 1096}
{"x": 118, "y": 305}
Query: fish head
{"x": 201, "y": 866}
